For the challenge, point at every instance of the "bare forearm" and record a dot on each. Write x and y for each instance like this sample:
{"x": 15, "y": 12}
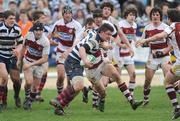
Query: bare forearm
{"x": 22, "y": 52}
{"x": 157, "y": 37}
{"x": 82, "y": 53}
{"x": 40, "y": 61}
{"x": 125, "y": 40}
{"x": 168, "y": 49}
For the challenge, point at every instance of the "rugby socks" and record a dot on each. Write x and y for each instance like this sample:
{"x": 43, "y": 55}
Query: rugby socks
{"x": 27, "y": 92}
{"x": 59, "y": 88}
{"x": 32, "y": 96}
{"x": 95, "y": 97}
{"x": 66, "y": 96}
{"x": 2, "y": 89}
{"x": 172, "y": 96}
{"x": 4, "y": 98}
{"x": 146, "y": 92}
{"x": 131, "y": 86}
{"x": 42, "y": 83}
{"x": 123, "y": 88}
{"x": 17, "y": 88}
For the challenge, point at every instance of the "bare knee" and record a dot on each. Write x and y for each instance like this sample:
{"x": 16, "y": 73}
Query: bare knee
{"x": 77, "y": 83}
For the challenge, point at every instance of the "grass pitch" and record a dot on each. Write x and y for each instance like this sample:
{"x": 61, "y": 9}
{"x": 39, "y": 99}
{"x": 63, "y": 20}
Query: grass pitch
{"x": 116, "y": 108}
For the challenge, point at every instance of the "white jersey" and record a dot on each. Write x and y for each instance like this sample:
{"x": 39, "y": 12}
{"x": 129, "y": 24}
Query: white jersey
{"x": 130, "y": 31}
{"x": 65, "y": 34}
{"x": 151, "y": 30}
{"x": 36, "y": 48}
{"x": 174, "y": 41}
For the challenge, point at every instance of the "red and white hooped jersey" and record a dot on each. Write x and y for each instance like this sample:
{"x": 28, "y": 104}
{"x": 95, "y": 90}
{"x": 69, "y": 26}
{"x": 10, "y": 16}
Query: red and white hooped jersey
{"x": 130, "y": 31}
{"x": 174, "y": 41}
{"x": 151, "y": 30}
{"x": 36, "y": 48}
{"x": 65, "y": 34}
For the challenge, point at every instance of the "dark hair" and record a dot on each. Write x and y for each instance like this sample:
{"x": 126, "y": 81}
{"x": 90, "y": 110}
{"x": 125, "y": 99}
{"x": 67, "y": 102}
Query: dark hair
{"x": 89, "y": 21}
{"x": 12, "y": 2}
{"x": 155, "y": 10}
{"x": 8, "y": 13}
{"x": 23, "y": 11}
{"x": 97, "y": 13}
{"x": 107, "y": 4}
{"x": 164, "y": 4}
{"x": 2, "y": 15}
{"x": 37, "y": 14}
{"x": 130, "y": 9}
{"x": 88, "y": 9}
{"x": 174, "y": 15}
{"x": 105, "y": 27}
{"x": 38, "y": 26}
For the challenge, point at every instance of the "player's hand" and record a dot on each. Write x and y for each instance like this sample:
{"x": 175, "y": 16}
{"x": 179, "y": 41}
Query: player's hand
{"x": 88, "y": 64}
{"x": 131, "y": 52}
{"x": 105, "y": 45}
{"x": 16, "y": 52}
{"x": 64, "y": 55}
{"x": 140, "y": 42}
{"x": 124, "y": 46}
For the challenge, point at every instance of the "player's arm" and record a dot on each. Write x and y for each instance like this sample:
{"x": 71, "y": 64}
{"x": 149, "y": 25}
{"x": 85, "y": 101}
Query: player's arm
{"x": 153, "y": 38}
{"x": 52, "y": 42}
{"x": 22, "y": 52}
{"x": 43, "y": 59}
{"x": 83, "y": 55}
{"x": 125, "y": 41}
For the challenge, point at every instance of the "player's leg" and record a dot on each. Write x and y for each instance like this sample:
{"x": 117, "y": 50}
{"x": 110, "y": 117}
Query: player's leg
{"x": 3, "y": 82}
{"x": 110, "y": 71}
{"x": 131, "y": 71}
{"x": 169, "y": 81}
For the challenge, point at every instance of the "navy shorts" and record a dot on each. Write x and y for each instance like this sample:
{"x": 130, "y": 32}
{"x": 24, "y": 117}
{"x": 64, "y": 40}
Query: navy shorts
{"x": 73, "y": 68}
{"x": 9, "y": 62}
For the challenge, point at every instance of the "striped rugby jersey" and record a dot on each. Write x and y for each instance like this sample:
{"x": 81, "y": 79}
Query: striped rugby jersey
{"x": 92, "y": 40}
{"x": 9, "y": 39}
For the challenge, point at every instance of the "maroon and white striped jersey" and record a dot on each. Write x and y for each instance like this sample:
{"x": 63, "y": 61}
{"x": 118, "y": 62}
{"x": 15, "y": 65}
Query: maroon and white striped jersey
{"x": 151, "y": 30}
{"x": 130, "y": 31}
{"x": 175, "y": 41}
{"x": 36, "y": 48}
{"x": 65, "y": 34}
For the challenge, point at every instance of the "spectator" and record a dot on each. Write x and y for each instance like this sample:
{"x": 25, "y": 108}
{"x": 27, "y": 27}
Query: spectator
{"x": 80, "y": 16}
{"x": 24, "y": 22}
{"x": 13, "y": 7}
{"x": 91, "y": 6}
{"x": 78, "y": 4}
{"x": 164, "y": 8}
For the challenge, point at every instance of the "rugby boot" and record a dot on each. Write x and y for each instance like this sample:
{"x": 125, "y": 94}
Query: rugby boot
{"x": 101, "y": 105}
{"x": 176, "y": 114}
{"x": 39, "y": 98}
{"x": 27, "y": 104}
{"x": 145, "y": 103}
{"x": 58, "y": 108}
{"x": 17, "y": 102}
{"x": 135, "y": 104}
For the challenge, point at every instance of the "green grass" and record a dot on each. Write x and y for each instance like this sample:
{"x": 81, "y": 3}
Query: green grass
{"x": 116, "y": 109}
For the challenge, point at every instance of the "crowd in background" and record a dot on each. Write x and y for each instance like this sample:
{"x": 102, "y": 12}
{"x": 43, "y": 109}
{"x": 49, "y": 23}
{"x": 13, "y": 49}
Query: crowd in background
{"x": 82, "y": 9}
